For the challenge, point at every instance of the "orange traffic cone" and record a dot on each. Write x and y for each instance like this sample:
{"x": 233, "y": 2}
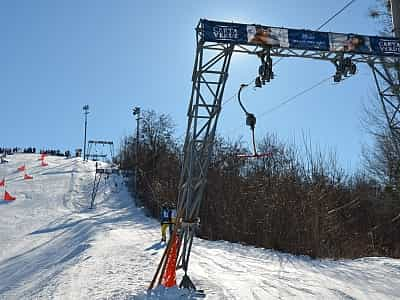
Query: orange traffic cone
{"x": 26, "y": 176}
{"x": 169, "y": 276}
{"x": 8, "y": 197}
{"x": 21, "y": 168}
{"x": 3, "y": 182}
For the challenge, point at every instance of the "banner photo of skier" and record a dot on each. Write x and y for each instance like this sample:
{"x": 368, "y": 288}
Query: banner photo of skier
{"x": 350, "y": 43}
{"x": 309, "y": 40}
{"x": 270, "y": 36}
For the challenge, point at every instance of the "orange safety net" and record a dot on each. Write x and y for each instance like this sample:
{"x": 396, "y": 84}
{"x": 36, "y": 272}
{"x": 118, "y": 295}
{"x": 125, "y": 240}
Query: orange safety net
{"x": 169, "y": 276}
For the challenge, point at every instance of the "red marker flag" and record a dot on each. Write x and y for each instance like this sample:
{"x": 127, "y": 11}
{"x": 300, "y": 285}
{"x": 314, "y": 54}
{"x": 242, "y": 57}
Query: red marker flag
{"x": 8, "y": 197}
{"x": 2, "y": 182}
{"x": 21, "y": 168}
{"x": 26, "y": 176}
{"x": 44, "y": 164}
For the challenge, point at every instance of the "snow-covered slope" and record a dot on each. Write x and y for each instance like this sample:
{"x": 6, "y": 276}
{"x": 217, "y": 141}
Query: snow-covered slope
{"x": 53, "y": 247}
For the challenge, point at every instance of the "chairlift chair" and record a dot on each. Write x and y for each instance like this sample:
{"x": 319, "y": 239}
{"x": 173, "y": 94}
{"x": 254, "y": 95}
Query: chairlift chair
{"x": 251, "y": 122}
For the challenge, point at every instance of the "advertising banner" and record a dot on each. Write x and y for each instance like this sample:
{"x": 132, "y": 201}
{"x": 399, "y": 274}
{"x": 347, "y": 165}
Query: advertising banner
{"x": 308, "y": 40}
{"x": 350, "y": 43}
{"x": 271, "y": 36}
{"x": 224, "y": 32}
{"x": 385, "y": 46}
{"x": 298, "y": 39}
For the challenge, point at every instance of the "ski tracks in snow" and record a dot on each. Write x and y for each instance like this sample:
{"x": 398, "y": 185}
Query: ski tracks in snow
{"x": 246, "y": 272}
{"x": 55, "y": 247}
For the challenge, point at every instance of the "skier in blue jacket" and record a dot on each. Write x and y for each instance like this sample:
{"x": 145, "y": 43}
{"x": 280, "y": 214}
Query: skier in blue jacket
{"x": 165, "y": 221}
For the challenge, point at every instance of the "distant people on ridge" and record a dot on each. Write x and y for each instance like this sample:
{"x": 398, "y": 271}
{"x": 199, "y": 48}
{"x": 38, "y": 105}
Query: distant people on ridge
{"x": 9, "y": 151}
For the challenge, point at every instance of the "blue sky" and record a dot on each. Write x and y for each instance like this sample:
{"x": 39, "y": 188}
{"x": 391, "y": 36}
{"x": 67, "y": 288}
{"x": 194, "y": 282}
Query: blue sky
{"x": 56, "y": 56}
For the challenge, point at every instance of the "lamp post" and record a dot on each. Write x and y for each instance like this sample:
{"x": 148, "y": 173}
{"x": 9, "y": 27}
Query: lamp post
{"x": 136, "y": 112}
{"x": 86, "y": 112}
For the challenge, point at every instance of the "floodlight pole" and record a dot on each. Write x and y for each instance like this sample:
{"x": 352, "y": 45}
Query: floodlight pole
{"x": 86, "y": 112}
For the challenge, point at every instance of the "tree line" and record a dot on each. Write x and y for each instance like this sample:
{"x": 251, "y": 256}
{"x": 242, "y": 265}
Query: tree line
{"x": 297, "y": 200}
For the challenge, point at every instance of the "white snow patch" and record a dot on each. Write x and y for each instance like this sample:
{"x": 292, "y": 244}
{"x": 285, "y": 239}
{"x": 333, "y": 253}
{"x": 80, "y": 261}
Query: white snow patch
{"x": 52, "y": 246}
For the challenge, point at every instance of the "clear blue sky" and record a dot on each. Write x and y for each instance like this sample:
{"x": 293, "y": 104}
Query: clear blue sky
{"x": 56, "y": 56}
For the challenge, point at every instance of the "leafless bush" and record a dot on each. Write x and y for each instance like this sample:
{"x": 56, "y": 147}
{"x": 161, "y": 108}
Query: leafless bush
{"x": 296, "y": 200}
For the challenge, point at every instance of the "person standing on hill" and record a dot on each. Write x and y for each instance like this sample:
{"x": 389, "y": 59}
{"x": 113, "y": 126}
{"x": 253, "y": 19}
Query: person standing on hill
{"x": 172, "y": 220}
{"x": 165, "y": 221}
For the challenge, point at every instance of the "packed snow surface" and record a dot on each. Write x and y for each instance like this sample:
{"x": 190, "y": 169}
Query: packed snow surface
{"x": 52, "y": 246}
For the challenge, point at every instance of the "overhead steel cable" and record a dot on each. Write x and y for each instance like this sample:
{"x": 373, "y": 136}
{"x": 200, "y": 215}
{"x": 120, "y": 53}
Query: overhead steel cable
{"x": 294, "y": 97}
{"x": 336, "y": 14}
{"x": 290, "y": 99}
{"x": 325, "y": 23}
{"x": 234, "y": 95}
